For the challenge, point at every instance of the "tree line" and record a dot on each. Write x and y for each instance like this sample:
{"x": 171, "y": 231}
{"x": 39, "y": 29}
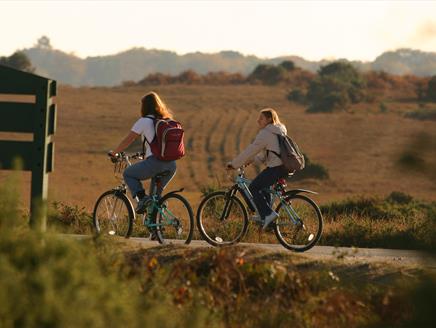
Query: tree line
{"x": 334, "y": 87}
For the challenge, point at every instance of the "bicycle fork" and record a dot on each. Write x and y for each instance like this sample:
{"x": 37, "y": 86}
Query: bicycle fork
{"x": 228, "y": 204}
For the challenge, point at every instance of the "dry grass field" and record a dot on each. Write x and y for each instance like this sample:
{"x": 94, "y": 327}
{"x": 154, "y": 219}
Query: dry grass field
{"x": 359, "y": 148}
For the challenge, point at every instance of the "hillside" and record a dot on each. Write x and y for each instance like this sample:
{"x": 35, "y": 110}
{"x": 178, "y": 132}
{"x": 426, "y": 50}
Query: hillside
{"x": 358, "y": 149}
{"x": 136, "y": 63}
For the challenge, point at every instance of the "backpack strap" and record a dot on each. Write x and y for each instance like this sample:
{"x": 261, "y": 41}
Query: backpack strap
{"x": 145, "y": 138}
{"x": 272, "y": 151}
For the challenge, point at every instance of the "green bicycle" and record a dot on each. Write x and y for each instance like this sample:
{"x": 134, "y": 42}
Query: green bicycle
{"x": 222, "y": 217}
{"x": 169, "y": 218}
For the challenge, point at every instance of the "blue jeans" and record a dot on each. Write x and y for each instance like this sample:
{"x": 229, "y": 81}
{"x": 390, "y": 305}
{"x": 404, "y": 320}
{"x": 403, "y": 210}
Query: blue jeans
{"x": 147, "y": 169}
{"x": 265, "y": 179}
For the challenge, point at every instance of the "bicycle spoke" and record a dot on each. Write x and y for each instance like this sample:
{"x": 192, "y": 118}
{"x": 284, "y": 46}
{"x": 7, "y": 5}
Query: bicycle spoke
{"x": 299, "y": 225}
{"x": 174, "y": 220}
{"x": 217, "y": 227}
{"x": 113, "y": 215}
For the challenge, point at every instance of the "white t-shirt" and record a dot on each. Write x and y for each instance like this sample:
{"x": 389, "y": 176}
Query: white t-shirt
{"x": 145, "y": 127}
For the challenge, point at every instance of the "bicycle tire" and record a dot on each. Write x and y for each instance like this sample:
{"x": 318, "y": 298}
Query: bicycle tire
{"x": 125, "y": 216}
{"x": 173, "y": 206}
{"x": 311, "y": 230}
{"x": 216, "y": 238}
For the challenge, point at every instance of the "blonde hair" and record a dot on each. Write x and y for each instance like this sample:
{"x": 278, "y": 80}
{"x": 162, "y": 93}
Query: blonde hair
{"x": 271, "y": 114}
{"x": 151, "y": 104}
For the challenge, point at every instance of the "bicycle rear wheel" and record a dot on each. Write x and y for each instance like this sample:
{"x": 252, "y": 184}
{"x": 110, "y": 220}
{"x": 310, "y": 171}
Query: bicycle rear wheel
{"x": 113, "y": 214}
{"x": 219, "y": 228}
{"x": 174, "y": 220}
{"x": 299, "y": 225}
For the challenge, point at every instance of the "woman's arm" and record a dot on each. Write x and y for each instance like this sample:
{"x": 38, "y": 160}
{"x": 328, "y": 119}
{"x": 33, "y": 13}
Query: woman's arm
{"x": 126, "y": 142}
{"x": 248, "y": 153}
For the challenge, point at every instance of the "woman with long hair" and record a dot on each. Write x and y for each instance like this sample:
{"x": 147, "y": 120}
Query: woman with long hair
{"x": 264, "y": 149}
{"x": 152, "y": 108}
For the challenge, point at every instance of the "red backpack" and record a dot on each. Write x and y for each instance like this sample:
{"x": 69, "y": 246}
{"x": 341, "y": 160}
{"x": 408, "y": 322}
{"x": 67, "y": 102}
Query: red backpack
{"x": 167, "y": 144}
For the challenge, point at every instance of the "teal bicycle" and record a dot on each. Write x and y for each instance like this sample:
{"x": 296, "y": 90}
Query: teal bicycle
{"x": 222, "y": 217}
{"x": 168, "y": 218}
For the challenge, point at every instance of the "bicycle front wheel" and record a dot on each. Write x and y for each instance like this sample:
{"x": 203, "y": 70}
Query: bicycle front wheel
{"x": 113, "y": 214}
{"x": 222, "y": 220}
{"x": 299, "y": 225}
{"x": 174, "y": 220}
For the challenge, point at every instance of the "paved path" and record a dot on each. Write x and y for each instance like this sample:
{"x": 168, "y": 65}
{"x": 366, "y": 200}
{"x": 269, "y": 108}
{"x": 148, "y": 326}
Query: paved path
{"x": 392, "y": 256}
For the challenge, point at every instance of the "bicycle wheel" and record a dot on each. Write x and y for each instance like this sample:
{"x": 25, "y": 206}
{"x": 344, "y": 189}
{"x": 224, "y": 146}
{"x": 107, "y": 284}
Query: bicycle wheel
{"x": 174, "y": 220}
{"x": 113, "y": 214}
{"x": 299, "y": 225}
{"x": 219, "y": 229}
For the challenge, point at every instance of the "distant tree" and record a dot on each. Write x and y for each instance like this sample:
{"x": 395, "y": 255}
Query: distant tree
{"x": 222, "y": 78}
{"x": 18, "y": 60}
{"x": 431, "y": 89}
{"x": 420, "y": 90}
{"x": 189, "y": 77}
{"x": 337, "y": 86}
{"x": 267, "y": 74}
{"x": 156, "y": 79}
{"x": 43, "y": 43}
{"x": 297, "y": 95}
{"x": 287, "y": 65}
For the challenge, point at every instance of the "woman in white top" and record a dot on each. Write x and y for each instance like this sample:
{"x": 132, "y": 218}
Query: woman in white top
{"x": 264, "y": 149}
{"x": 152, "y": 107}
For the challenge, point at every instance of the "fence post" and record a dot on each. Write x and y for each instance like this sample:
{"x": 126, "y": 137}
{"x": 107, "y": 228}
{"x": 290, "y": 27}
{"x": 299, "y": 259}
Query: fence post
{"x": 38, "y": 118}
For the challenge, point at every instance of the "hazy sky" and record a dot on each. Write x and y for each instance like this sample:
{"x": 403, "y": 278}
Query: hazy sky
{"x": 311, "y": 29}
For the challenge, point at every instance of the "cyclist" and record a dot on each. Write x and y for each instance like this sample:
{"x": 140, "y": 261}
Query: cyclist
{"x": 152, "y": 107}
{"x": 264, "y": 149}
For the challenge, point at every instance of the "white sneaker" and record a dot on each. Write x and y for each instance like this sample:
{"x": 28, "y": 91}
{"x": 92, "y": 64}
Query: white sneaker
{"x": 270, "y": 218}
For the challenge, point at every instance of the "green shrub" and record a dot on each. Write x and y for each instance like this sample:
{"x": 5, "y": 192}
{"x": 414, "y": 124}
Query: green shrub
{"x": 431, "y": 89}
{"x": 383, "y": 107}
{"x": 399, "y": 198}
{"x": 70, "y": 219}
{"x": 396, "y": 205}
{"x": 18, "y": 60}
{"x": 337, "y": 86}
{"x": 297, "y": 95}
{"x": 397, "y": 221}
{"x": 288, "y": 65}
{"x": 49, "y": 280}
{"x": 422, "y": 114}
{"x": 311, "y": 171}
{"x": 268, "y": 74}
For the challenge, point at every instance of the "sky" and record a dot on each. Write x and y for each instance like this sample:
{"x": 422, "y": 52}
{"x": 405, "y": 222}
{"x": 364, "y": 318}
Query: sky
{"x": 356, "y": 30}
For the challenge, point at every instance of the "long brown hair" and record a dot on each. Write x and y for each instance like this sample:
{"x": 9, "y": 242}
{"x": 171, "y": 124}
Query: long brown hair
{"x": 271, "y": 114}
{"x": 151, "y": 104}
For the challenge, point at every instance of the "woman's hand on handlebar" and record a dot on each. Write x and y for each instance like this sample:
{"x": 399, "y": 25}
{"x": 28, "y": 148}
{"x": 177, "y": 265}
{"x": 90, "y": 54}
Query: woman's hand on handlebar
{"x": 113, "y": 156}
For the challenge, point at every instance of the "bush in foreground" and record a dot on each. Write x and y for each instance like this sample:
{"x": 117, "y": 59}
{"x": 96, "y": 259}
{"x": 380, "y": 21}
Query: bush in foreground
{"x": 49, "y": 281}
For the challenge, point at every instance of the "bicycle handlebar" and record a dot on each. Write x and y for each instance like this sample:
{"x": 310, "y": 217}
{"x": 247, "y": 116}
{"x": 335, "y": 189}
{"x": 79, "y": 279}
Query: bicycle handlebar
{"x": 119, "y": 157}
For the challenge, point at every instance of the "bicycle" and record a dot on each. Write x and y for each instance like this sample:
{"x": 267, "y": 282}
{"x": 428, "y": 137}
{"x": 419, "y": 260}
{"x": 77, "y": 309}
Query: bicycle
{"x": 167, "y": 217}
{"x": 222, "y": 217}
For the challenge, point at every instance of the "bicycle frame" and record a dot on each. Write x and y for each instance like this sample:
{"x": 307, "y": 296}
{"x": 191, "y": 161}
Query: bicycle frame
{"x": 155, "y": 197}
{"x": 242, "y": 184}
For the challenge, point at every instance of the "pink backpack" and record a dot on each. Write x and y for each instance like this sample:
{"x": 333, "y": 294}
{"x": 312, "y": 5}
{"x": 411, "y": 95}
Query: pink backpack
{"x": 167, "y": 144}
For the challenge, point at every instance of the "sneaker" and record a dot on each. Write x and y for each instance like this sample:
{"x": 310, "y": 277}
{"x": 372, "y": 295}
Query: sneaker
{"x": 269, "y": 218}
{"x": 153, "y": 236}
{"x": 142, "y": 205}
{"x": 256, "y": 218}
